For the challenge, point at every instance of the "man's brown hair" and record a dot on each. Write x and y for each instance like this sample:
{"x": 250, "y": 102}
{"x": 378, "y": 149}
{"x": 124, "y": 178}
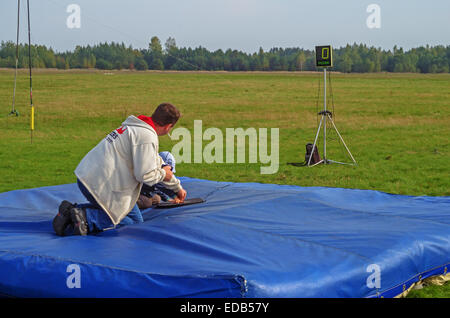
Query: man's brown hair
{"x": 165, "y": 114}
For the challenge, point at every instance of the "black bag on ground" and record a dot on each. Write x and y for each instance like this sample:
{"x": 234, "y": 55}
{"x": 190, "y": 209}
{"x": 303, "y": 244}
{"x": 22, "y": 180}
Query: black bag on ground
{"x": 309, "y": 152}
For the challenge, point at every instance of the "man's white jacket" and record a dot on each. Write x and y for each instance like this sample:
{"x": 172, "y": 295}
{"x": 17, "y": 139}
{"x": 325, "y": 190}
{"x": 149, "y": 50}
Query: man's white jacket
{"x": 115, "y": 169}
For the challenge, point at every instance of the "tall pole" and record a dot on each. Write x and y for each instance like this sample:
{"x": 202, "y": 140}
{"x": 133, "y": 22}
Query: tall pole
{"x": 325, "y": 118}
{"x": 30, "y": 66}
{"x": 13, "y": 111}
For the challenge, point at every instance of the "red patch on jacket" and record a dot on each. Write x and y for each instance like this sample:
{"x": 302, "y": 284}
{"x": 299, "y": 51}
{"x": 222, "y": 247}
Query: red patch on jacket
{"x": 147, "y": 120}
{"x": 121, "y": 130}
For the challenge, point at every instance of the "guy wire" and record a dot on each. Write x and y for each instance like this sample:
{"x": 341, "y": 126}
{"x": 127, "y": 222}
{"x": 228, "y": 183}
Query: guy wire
{"x": 129, "y": 36}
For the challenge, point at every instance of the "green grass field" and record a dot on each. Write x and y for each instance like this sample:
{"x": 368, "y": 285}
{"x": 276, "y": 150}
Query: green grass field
{"x": 397, "y": 126}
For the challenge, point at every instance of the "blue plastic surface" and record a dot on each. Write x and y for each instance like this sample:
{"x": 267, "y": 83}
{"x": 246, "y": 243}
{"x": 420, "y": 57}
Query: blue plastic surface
{"x": 247, "y": 240}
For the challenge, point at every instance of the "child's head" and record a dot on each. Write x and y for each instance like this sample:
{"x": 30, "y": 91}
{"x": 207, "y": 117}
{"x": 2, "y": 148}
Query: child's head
{"x": 169, "y": 159}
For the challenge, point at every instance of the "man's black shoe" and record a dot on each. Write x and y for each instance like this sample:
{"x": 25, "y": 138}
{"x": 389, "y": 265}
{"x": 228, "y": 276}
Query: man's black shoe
{"x": 79, "y": 221}
{"x": 62, "y": 219}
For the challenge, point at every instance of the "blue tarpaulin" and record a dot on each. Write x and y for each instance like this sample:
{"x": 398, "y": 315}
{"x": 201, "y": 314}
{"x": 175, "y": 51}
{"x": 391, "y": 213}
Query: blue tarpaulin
{"x": 246, "y": 240}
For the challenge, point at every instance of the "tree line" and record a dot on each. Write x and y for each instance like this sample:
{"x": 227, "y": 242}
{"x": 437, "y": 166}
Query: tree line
{"x": 115, "y": 56}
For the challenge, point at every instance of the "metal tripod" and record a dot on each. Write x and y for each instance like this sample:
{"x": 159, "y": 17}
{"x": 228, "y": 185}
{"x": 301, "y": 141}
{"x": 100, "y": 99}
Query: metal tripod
{"x": 327, "y": 115}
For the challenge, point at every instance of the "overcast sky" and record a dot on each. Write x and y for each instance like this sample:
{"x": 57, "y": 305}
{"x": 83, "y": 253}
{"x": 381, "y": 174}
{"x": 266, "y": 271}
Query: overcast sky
{"x": 244, "y": 25}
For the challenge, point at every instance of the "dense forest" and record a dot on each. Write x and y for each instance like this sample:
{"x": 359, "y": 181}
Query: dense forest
{"x": 108, "y": 56}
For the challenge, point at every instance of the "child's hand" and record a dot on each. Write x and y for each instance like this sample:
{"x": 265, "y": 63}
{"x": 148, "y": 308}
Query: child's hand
{"x": 181, "y": 195}
{"x": 175, "y": 200}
